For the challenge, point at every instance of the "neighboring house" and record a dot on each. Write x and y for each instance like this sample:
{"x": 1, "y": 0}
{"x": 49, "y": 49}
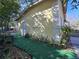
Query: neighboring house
{"x": 44, "y": 18}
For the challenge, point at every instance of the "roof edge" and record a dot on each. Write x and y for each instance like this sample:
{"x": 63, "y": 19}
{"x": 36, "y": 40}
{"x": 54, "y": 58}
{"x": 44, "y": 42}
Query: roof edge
{"x": 30, "y": 7}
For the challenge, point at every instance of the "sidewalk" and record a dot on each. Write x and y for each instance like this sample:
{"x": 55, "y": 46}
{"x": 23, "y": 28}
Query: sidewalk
{"x": 75, "y": 45}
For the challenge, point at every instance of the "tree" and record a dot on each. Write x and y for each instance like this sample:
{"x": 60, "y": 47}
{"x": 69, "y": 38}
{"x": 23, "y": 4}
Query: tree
{"x": 8, "y": 9}
{"x": 66, "y": 30}
{"x": 75, "y": 4}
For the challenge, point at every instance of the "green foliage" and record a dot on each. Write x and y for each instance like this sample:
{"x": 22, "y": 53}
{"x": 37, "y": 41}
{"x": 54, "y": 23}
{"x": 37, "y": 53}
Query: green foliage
{"x": 75, "y": 4}
{"x": 5, "y": 44}
{"x": 8, "y": 9}
{"x": 65, "y": 35}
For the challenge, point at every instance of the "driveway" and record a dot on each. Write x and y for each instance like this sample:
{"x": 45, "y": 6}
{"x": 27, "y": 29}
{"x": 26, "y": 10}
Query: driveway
{"x": 75, "y": 44}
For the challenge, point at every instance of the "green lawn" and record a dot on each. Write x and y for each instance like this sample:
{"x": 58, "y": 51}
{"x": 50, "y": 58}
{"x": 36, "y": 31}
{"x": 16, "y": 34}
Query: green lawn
{"x": 40, "y": 50}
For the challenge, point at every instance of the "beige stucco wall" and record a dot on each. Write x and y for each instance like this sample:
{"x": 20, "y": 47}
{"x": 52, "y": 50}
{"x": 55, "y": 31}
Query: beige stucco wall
{"x": 39, "y": 19}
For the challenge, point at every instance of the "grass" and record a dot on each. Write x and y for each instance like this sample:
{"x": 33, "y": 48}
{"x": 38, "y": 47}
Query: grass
{"x": 40, "y": 50}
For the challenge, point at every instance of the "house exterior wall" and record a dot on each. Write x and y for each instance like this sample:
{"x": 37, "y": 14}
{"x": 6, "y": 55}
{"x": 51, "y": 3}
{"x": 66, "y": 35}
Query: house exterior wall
{"x": 41, "y": 20}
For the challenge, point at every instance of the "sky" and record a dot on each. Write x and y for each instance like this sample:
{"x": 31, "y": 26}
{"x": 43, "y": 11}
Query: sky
{"x": 72, "y": 14}
{"x": 22, "y": 4}
{"x": 25, "y": 4}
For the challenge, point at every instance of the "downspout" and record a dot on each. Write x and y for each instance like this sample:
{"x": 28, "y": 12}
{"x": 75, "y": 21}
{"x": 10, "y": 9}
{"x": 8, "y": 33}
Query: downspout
{"x": 61, "y": 18}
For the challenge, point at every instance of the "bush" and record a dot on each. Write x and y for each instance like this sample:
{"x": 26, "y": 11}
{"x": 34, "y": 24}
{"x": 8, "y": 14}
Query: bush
{"x": 27, "y": 35}
{"x": 65, "y": 36}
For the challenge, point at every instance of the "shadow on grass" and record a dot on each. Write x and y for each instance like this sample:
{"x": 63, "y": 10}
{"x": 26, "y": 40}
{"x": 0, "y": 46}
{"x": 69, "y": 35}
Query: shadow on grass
{"x": 40, "y": 50}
